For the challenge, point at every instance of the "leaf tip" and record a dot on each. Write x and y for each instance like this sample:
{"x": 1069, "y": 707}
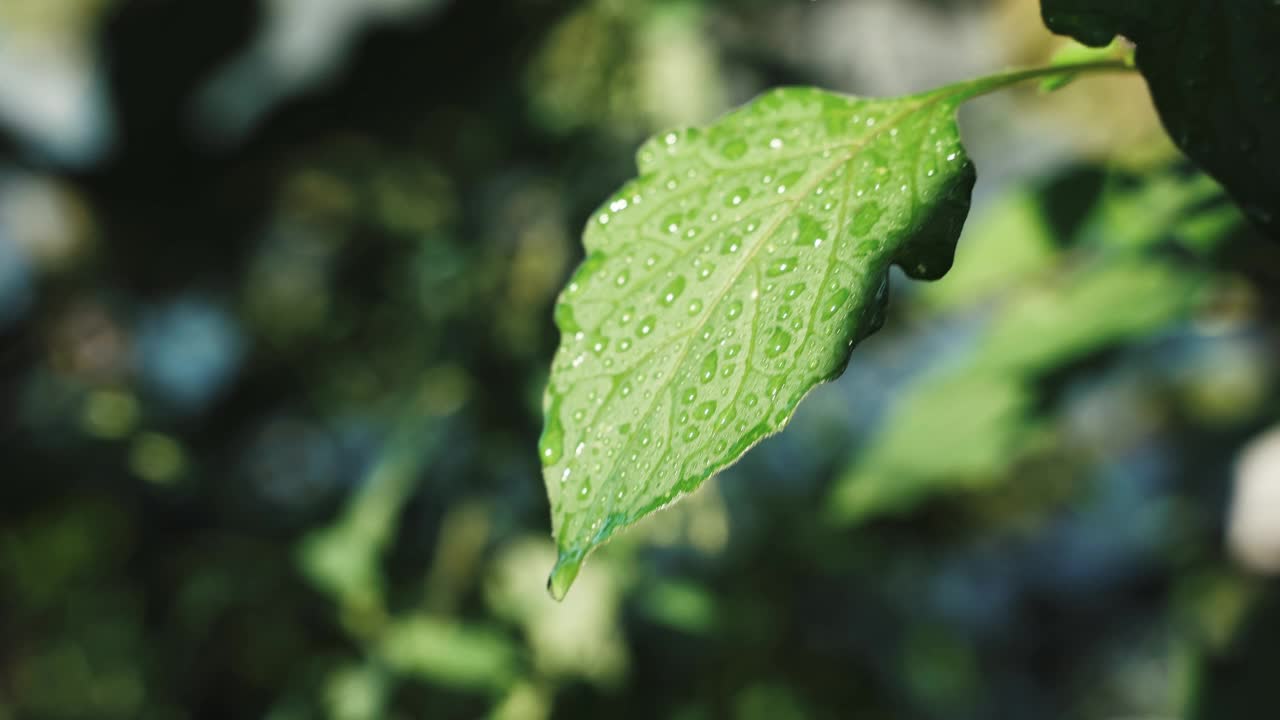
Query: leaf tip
{"x": 564, "y": 573}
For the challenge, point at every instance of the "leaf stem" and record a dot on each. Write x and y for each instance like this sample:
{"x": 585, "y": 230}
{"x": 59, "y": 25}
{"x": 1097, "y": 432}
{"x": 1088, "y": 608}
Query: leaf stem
{"x": 969, "y": 89}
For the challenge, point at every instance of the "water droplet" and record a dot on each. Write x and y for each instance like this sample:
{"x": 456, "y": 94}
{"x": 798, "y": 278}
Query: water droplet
{"x": 708, "y": 369}
{"x": 794, "y": 291}
{"x": 671, "y": 223}
{"x": 734, "y": 309}
{"x": 865, "y": 218}
{"x": 551, "y": 444}
{"x": 737, "y": 197}
{"x": 781, "y": 267}
{"x": 690, "y": 434}
{"x": 776, "y": 143}
{"x": 622, "y": 278}
{"x": 695, "y": 307}
{"x": 646, "y": 325}
{"x": 834, "y": 303}
{"x": 779, "y": 341}
{"x": 565, "y": 320}
{"x": 809, "y": 232}
{"x": 705, "y": 410}
{"x": 672, "y": 291}
{"x": 734, "y": 149}
{"x": 689, "y": 395}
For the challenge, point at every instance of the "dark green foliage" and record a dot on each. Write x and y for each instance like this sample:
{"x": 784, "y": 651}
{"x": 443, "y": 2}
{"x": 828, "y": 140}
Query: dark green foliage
{"x": 1213, "y": 67}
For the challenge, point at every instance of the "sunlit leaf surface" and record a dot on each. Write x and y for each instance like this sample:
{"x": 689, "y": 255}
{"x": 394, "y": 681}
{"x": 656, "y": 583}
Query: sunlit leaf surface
{"x": 735, "y": 274}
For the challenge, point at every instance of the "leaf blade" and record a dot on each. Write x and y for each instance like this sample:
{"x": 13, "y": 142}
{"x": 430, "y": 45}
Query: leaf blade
{"x": 1213, "y": 69}
{"x": 729, "y": 279}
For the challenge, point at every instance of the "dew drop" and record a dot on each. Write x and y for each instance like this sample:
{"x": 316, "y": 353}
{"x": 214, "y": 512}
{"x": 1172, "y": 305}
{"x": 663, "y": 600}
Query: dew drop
{"x": 734, "y": 149}
{"x": 779, "y": 341}
{"x": 551, "y": 445}
{"x": 834, "y": 302}
{"x": 565, "y": 320}
{"x": 865, "y": 219}
{"x": 781, "y": 267}
{"x": 646, "y": 325}
{"x": 708, "y": 368}
{"x": 672, "y": 291}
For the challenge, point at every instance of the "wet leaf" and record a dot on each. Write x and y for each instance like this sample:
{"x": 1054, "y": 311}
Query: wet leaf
{"x": 735, "y": 274}
{"x": 1214, "y": 73}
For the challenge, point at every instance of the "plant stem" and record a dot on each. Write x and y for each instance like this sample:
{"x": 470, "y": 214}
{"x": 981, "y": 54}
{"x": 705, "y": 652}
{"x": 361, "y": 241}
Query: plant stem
{"x": 970, "y": 89}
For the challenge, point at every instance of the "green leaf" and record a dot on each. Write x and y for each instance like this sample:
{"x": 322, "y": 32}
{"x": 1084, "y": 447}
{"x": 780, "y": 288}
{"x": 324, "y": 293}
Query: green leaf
{"x": 983, "y": 414}
{"x": 1214, "y": 72}
{"x": 735, "y": 274}
{"x": 979, "y": 418}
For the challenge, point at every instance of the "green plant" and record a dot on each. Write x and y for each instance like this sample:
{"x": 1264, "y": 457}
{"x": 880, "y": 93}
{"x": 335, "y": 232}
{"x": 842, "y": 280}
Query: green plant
{"x": 746, "y": 261}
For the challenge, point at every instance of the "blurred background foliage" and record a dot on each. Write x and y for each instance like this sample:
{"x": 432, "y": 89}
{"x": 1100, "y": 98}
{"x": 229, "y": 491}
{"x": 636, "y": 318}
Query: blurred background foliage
{"x": 275, "y": 292}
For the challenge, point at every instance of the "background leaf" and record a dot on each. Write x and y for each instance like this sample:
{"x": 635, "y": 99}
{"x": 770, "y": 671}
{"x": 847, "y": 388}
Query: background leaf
{"x": 1116, "y": 286}
{"x": 730, "y": 278}
{"x": 1212, "y": 68}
